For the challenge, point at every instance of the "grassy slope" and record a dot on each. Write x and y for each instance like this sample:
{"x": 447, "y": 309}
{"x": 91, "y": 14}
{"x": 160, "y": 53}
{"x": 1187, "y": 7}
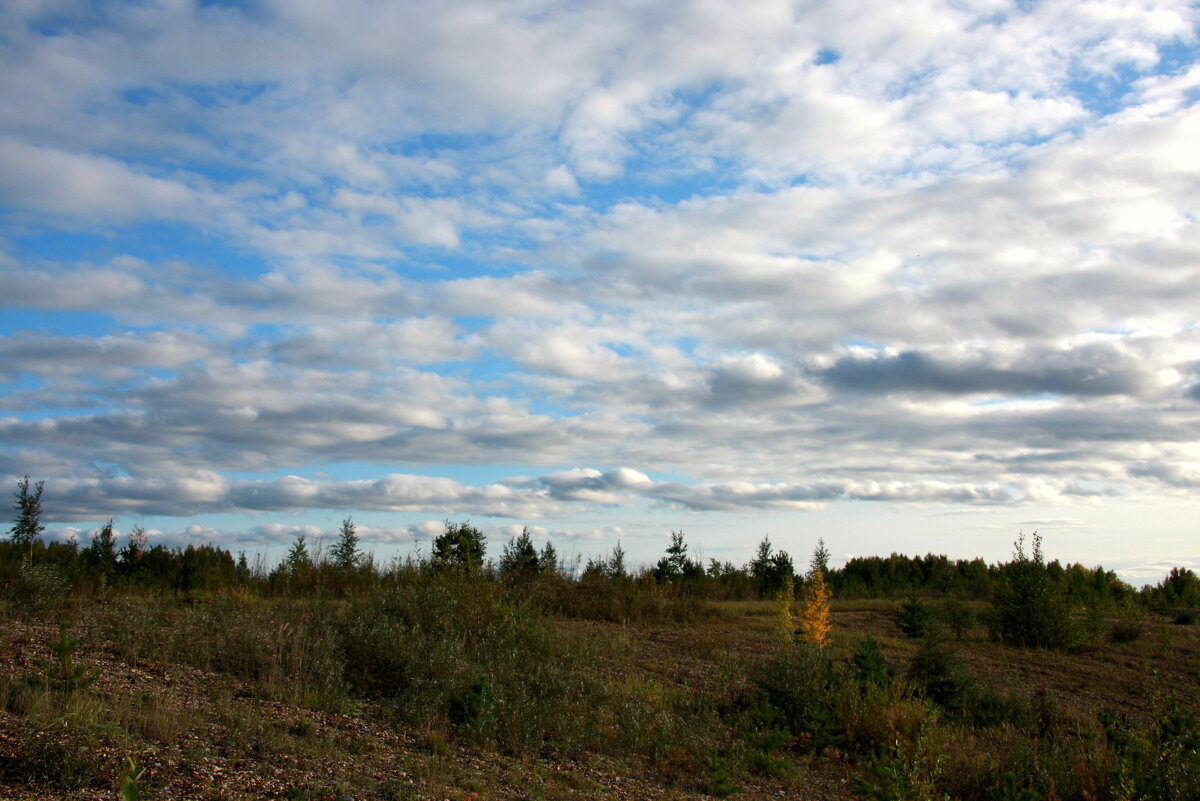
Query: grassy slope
{"x": 204, "y": 733}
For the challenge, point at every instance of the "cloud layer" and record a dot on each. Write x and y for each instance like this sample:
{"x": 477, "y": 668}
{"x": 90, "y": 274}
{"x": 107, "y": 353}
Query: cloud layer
{"x": 704, "y": 257}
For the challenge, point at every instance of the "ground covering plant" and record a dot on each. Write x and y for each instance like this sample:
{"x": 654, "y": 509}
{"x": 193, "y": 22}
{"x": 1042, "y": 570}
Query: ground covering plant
{"x": 170, "y": 673}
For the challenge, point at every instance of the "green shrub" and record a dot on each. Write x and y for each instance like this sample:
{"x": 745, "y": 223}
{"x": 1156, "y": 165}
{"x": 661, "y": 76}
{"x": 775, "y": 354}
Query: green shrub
{"x": 802, "y": 682}
{"x": 940, "y": 675}
{"x": 1128, "y": 628}
{"x": 868, "y": 665}
{"x": 1185, "y": 617}
{"x": 914, "y": 618}
{"x": 1029, "y": 609}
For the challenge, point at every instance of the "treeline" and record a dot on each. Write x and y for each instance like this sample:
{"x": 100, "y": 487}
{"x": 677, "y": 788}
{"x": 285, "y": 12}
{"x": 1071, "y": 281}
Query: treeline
{"x": 34, "y": 566}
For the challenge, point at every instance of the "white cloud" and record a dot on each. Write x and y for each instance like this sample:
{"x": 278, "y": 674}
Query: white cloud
{"x": 790, "y": 256}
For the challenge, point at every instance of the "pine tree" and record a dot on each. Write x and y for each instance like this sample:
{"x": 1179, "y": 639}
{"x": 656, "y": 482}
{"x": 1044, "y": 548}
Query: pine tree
{"x": 520, "y": 558}
{"x": 616, "y": 563}
{"x": 548, "y": 559}
{"x": 101, "y": 554}
{"x": 28, "y": 525}
{"x": 820, "y": 558}
{"x": 345, "y": 551}
{"x": 298, "y": 562}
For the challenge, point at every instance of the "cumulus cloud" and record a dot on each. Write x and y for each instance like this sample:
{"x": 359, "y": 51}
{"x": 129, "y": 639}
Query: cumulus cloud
{"x": 785, "y": 256}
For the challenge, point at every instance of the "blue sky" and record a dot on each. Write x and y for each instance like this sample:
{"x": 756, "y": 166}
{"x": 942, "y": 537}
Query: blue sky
{"x": 910, "y": 277}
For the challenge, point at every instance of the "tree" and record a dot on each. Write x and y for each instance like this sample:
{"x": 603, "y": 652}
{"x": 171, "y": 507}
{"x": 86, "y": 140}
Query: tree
{"x": 676, "y": 566}
{"x": 548, "y": 559}
{"x": 298, "y": 562}
{"x": 820, "y": 558}
{"x": 101, "y": 554}
{"x": 814, "y": 616}
{"x": 28, "y": 526}
{"x": 616, "y": 563}
{"x": 1028, "y": 608}
{"x": 345, "y": 551}
{"x": 460, "y": 547}
{"x": 520, "y": 558}
{"x": 133, "y": 550}
{"x": 770, "y": 569}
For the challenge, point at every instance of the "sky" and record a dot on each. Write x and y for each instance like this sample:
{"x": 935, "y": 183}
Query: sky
{"x": 908, "y": 277}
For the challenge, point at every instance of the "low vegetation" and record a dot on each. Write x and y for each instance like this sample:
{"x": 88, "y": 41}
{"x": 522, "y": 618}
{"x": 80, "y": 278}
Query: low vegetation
{"x": 152, "y": 673}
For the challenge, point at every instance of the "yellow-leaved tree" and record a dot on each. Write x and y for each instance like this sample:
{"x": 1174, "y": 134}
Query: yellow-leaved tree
{"x": 814, "y": 614}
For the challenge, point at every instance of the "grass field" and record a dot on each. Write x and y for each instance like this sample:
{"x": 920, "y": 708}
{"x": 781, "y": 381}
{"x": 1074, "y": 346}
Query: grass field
{"x": 454, "y": 690}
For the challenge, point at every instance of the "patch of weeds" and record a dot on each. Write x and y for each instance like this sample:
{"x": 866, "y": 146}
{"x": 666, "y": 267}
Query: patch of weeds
{"x": 1010, "y": 790}
{"x": 131, "y": 780}
{"x": 62, "y": 674}
{"x": 903, "y": 771}
{"x": 54, "y": 756}
{"x": 435, "y": 742}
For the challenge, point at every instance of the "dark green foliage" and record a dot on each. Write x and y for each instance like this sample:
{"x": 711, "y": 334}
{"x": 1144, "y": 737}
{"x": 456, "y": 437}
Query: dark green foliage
{"x": 1185, "y": 616}
{"x": 298, "y": 563}
{"x": 520, "y": 560}
{"x": 131, "y": 780}
{"x": 1160, "y": 762}
{"x": 440, "y": 648}
{"x": 345, "y": 552}
{"x": 1129, "y": 627}
{"x": 801, "y": 683}
{"x": 616, "y": 564}
{"x": 548, "y": 559}
{"x": 101, "y": 555}
{"x": 1180, "y": 589}
{"x": 461, "y": 548}
{"x": 868, "y": 665}
{"x": 466, "y": 707}
{"x": 957, "y": 616}
{"x": 49, "y": 756}
{"x": 1029, "y": 610}
{"x": 676, "y": 568}
{"x": 820, "y": 558}
{"x": 766, "y": 732}
{"x": 896, "y": 575}
{"x": 28, "y": 524}
{"x": 770, "y": 569}
{"x": 718, "y": 783}
{"x": 914, "y": 618}
{"x": 940, "y": 675}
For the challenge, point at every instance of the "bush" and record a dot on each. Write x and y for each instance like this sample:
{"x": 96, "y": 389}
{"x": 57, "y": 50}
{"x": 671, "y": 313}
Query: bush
{"x": 1029, "y": 609}
{"x": 940, "y": 675}
{"x": 802, "y": 683}
{"x": 914, "y": 618}
{"x": 1128, "y": 628}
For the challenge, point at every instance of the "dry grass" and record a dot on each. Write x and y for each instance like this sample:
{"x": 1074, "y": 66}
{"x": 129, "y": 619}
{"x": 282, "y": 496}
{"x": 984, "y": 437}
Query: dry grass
{"x": 667, "y": 703}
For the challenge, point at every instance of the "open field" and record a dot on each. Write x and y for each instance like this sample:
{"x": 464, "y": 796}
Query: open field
{"x": 239, "y": 696}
